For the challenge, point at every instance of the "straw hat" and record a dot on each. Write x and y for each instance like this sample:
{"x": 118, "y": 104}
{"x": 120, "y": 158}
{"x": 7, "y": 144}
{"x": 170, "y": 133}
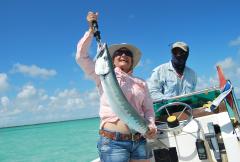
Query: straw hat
{"x": 181, "y": 45}
{"x": 135, "y": 51}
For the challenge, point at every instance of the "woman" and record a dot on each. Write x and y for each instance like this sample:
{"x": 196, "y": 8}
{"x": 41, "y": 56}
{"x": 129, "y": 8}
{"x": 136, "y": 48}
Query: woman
{"x": 117, "y": 142}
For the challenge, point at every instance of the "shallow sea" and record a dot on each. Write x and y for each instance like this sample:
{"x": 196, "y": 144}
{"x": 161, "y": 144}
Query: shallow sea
{"x": 71, "y": 141}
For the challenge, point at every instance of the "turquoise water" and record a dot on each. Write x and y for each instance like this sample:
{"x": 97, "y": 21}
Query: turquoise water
{"x": 72, "y": 141}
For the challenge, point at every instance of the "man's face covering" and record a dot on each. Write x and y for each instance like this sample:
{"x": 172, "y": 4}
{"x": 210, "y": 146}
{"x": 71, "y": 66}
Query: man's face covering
{"x": 179, "y": 58}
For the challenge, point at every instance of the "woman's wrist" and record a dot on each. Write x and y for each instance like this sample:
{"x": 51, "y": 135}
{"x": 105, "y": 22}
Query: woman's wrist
{"x": 90, "y": 30}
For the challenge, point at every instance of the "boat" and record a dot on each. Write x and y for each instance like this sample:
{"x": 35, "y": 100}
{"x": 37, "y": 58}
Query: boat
{"x": 200, "y": 131}
{"x": 203, "y": 126}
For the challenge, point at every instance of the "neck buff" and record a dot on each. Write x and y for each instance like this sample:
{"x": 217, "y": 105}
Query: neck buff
{"x": 178, "y": 63}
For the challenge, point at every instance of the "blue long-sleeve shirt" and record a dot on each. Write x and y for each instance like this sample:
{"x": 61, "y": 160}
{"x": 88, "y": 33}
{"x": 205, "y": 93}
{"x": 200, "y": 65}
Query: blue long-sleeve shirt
{"x": 165, "y": 83}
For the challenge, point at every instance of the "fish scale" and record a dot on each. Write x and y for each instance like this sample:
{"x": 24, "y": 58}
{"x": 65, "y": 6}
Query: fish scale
{"x": 116, "y": 98}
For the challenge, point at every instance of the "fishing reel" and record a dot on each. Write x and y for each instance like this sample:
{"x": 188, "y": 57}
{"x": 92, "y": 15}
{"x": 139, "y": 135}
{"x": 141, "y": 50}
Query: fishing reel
{"x": 173, "y": 120}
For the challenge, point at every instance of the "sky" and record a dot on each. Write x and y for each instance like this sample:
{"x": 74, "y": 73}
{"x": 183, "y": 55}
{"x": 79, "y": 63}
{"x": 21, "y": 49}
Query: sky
{"x": 40, "y": 80}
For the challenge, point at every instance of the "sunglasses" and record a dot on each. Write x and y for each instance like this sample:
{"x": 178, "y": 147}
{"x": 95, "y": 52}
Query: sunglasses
{"x": 122, "y": 51}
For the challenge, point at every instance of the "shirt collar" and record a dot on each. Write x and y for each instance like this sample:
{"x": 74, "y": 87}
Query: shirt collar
{"x": 170, "y": 68}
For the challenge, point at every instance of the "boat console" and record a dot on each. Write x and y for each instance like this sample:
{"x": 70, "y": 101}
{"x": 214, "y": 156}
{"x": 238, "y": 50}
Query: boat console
{"x": 189, "y": 131}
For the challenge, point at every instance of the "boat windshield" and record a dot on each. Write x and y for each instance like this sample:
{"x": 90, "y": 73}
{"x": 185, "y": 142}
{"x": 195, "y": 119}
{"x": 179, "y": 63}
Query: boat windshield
{"x": 195, "y": 100}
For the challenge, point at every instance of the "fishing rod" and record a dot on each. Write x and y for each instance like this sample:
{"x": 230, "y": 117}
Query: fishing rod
{"x": 96, "y": 32}
{"x": 118, "y": 102}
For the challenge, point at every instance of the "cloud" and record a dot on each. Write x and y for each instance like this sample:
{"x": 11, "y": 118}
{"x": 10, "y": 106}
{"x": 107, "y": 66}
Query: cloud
{"x": 4, "y": 85}
{"x": 4, "y": 102}
{"x": 67, "y": 99}
{"x": 238, "y": 71}
{"x": 204, "y": 82}
{"x": 27, "y": 92}
{"x": 34, "y": 105}
{"x": 30, "y": 99}
{"x": 235, "y": 42}
{"x": 231, "y": 69}
{"x": 33, "y": 71}
{"x": 227, "y": 63}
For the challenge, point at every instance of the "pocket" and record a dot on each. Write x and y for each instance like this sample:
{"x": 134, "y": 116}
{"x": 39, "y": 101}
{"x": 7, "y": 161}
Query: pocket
{"x": 104, "y": 144}
{"x": 170, "y": 82}
{"x": 170, "y": 86}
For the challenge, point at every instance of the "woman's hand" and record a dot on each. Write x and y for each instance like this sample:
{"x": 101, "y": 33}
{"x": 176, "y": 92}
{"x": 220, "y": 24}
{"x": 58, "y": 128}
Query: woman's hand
{"x": 151, "y": 133}
{"x": 90, "y": 18}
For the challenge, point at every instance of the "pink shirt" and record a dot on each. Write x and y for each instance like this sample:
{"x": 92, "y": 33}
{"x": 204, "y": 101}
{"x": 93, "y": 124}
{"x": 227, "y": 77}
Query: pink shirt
{"x": 134, "y": 89}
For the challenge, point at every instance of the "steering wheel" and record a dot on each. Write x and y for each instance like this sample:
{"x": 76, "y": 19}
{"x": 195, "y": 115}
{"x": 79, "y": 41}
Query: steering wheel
{"x": 172, "y": 124}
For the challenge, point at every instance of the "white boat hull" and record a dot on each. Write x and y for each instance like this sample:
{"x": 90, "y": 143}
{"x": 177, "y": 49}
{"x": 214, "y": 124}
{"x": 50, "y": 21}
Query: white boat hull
{"x": 184, "y": 142}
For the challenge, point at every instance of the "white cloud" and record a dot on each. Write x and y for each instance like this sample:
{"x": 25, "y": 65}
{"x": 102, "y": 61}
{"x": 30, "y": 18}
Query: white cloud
{"x": 33, "y": 71}
{"x": 7, "y": 114}
{"x": 206, "y": 82}
{"x": 235, "y": 42}
{"x": 238, "y": 71}
{"x": 231, "y": 70}
{"x": 27, "y": 92}
{"x": 33, "y": 105}
{"x": 4, "y": 85}
{"x": 67, "y": 99}
{"x": 29, "y": 98}
{"x": 71, "y": 99}
{"x": 227, "y": 63}
{"x": 5, "y": 102}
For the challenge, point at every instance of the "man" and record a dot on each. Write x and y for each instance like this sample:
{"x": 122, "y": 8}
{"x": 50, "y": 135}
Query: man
{"x": 173, "y": 78}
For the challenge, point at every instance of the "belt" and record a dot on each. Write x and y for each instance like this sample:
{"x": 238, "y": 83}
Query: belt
{"x": 120, "y": 137}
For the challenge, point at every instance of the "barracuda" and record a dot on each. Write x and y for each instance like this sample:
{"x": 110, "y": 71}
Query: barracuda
{"x": 117, "y": 100}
